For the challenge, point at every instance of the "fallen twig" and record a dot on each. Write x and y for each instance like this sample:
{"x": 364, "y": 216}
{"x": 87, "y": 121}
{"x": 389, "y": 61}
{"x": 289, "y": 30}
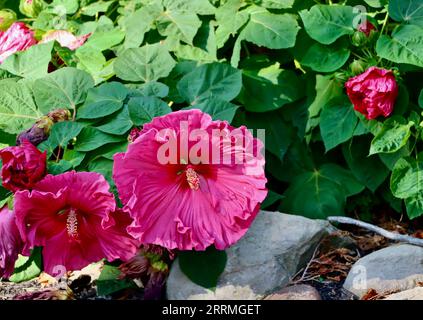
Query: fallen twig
{"x": 387, "y": 234}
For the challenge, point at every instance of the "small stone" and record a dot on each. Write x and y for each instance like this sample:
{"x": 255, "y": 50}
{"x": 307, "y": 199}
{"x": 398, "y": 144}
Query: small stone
{"x": 274, "y": 249}
{"x": 396, "y": 268}
{"x": 297, "y": 292}
{"x": 412, "y": 294}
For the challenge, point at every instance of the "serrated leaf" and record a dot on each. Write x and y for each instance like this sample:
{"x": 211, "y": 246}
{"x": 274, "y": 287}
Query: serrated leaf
{"x": 392, "y": 137}
{"x": 203, "y": 267}
{"x": 31, "y": 63}
{"x": 148, "y": 63}
{"x": 64, "y": 88}
{"x": 405, "y": 46}
{"x": 17, "y": 108}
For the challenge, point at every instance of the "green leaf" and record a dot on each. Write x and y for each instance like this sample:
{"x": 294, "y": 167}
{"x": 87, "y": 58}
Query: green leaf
{"x": 278, "y": 133}
{"x": 96, "y": 7}
{"x": 27, "y": 268}
{"x": 139, "y": 23}
{"x": 103, "y": 100}
{"x": 214, "y": 79}
{"x": 273, "y": 31}
{"x": 414, "y": 206}
{"x": 104, "y": 40}
{"x": 271, "y": 198}
{"x": 144, "y": 109}
{"x": 103, "y": 166}
{"x": 154, "y": 89}
{"x": 109, "y": 282}
{"x": 203, "y": 267}
{"x": 323, "y": 58}
{"x": 408, "y": 11}
{"x": 91, "y": 138}
{"x": 277, "y": 4}
{"x": 202, "y": 7}
{"x": 64, "y": 88}
{"x": 327, "y": 88}
{"x": 117, "y": 124}
{"x": 69, "y": 6}
{"x": 178, "y": 24}
{"x": 343, "y": 177}
{"x": 31, "y": 63}
{"x": 405, "y": 46}
{"x": 60, "y": 135}
{"x": 17, "y": 108}
{"x": 376, "y": 3}
{"x": 218, "y": 109}
{"x": 337, "y": 122}
{"x": 326, "y": 23}
{"x": 392, "y": 137}
{"x": 56, "y": 168}
{"x": 269, "y": 88}
{"x": 407, "y": 178}
{"x": 229, "y": 20}
{"x": 421, "y": 99}
{"x": 148, "y": 63}
{"x": 369, "y": 170}
{"x": 316, "y": 195}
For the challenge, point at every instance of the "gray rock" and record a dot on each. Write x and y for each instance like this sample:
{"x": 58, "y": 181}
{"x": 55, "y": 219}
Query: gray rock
{"x": 396, "y": 268}
{"x": 412, "y": 294}
{"x": 297, "y": 292}
{"x": 275, "y": 247}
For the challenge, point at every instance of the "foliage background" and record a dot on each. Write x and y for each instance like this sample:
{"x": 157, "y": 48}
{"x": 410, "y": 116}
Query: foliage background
{"x": 278, "y": 65}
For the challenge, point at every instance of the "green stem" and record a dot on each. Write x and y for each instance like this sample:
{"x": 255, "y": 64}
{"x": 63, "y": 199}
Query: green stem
{"x": 384, "y": 23}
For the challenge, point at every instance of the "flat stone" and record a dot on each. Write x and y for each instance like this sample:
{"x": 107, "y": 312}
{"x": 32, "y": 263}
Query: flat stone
{"x": 412, "y": 294}
{"x": 395, "y": 268}
{"x": 297, "y": 292}
{"x": 275, "y": 247}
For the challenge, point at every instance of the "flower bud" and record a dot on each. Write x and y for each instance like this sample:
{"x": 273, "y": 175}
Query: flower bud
{"x": 340, "y": 76}
{"x": 59, "y": 115}
{"x": 31, "y": 8}
{"x": 7, "y": 17}
{"x": 357, "y": 67}
{"x": 359, "y": 39}
{"x": 37, "y": 133}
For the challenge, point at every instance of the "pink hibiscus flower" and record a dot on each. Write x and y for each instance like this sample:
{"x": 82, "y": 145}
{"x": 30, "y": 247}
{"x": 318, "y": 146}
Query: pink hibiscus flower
{"x": 10, "y": 242}
{"x": 73, "y": 217}
{"x": 17, "y": 38}
{"x": 65, "y": 39}
{"x": 191, "y": 203}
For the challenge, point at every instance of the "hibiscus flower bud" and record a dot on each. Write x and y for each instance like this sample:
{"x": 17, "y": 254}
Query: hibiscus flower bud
{"x": 11, "y": 243}
{"x": 358, "y": 39}
{"x": 373, "y": 92}
{"x": 23, "y": 166}
{"x": 7, "y": 17}
{"x": 31, "y": 8}
{"x": 37, "y": 133}
{"x": 17, "y": 38}
{"x": 366, "y": 27}
{"x": 59, "y": 115}
{"x": 357, "y": 67}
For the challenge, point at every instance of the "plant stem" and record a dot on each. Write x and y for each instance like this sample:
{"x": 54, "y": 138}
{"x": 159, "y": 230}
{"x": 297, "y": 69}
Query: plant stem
{"x": 384, "y": 23}
{"x": 387, "y": 234}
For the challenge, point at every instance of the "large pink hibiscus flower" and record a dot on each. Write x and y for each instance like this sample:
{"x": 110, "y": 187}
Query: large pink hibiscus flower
{"x": 191, "y": 202}
{"x": 73, "y": 217}
{"x": 10, "y": 242}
